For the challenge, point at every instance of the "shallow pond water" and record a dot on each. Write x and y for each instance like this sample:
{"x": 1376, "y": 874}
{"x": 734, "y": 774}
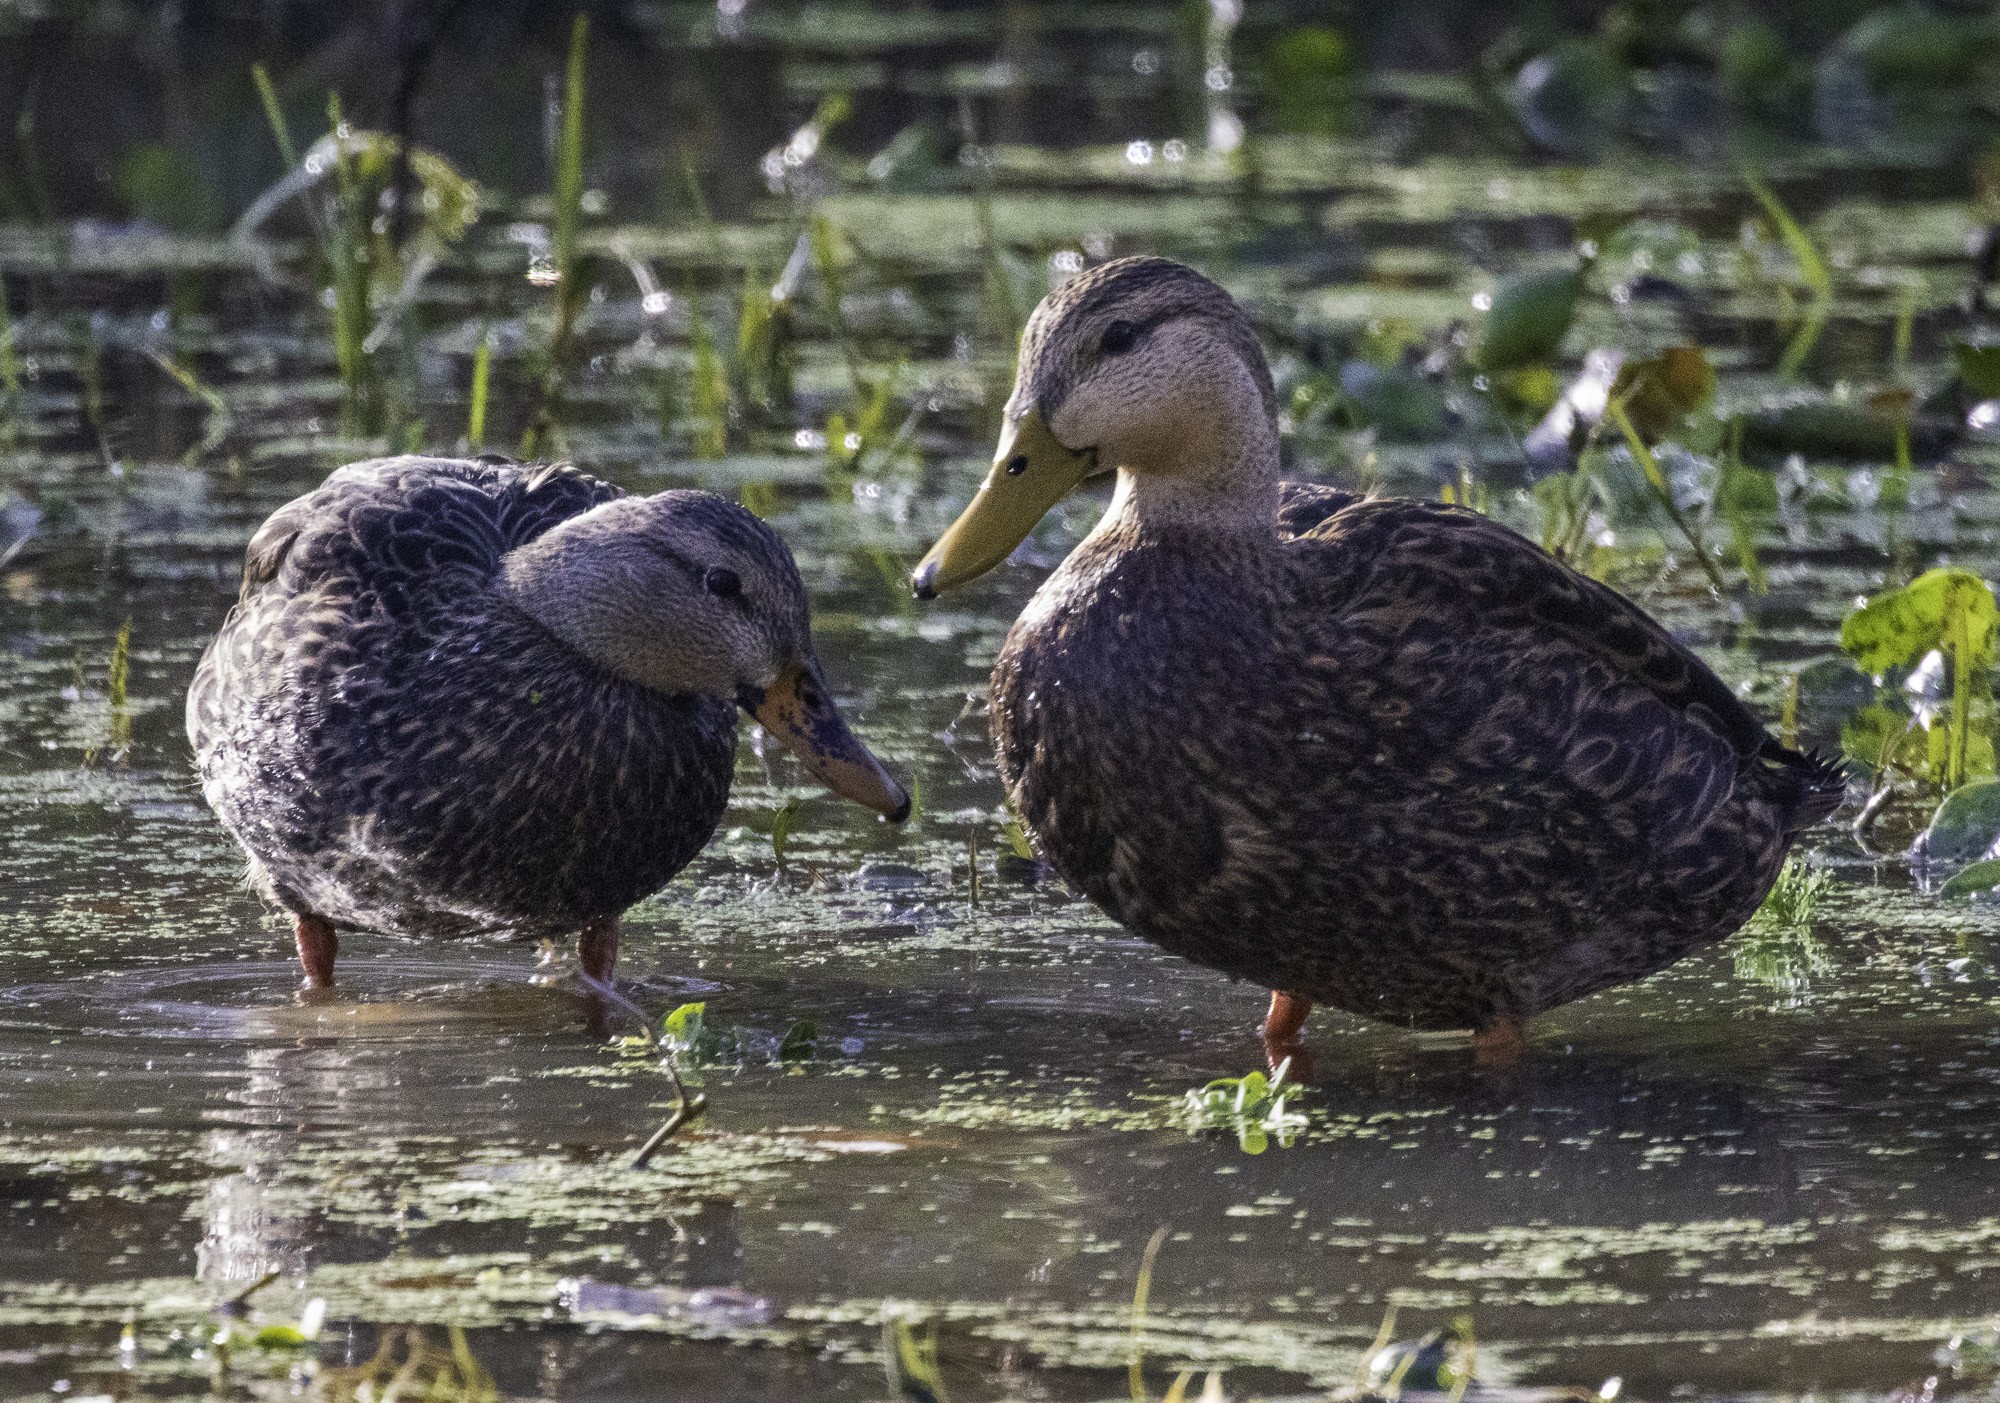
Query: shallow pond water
{"x": 1772, "y": 1171}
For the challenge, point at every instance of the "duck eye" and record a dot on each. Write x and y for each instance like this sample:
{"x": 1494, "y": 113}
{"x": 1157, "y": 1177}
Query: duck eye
{"x": 1119, "y": 338}
{"x": 721, "y": 582}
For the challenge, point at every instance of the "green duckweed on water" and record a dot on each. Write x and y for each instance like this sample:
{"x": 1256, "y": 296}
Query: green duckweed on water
{"x": 1698, "y": 300}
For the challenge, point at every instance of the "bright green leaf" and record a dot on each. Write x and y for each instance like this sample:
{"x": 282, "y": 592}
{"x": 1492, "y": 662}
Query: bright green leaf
{"x": 683, "y": 1027}
{"x": 1936, "y": 610}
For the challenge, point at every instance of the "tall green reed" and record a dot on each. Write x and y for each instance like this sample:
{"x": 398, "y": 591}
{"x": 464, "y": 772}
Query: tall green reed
{"x": 569, "y": 288}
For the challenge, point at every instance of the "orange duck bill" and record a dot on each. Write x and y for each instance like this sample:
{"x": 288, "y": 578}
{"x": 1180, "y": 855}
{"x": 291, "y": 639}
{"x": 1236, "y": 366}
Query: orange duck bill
{"x": 798, "y": 710}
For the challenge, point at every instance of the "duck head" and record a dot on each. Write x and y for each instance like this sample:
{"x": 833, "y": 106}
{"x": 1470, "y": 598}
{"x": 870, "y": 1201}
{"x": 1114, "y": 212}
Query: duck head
{"x": 1141, "y": 365}
{"x": 689, "y": 594}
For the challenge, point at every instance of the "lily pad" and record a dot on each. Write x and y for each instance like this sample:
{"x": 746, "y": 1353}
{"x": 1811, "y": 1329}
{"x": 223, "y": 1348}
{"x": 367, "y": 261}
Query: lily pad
{"x": 1979, "y": 368}
{"x": 1530, "y": 316}
{"x": 1976, "y": 880}
{"x": 1965, "y": 828}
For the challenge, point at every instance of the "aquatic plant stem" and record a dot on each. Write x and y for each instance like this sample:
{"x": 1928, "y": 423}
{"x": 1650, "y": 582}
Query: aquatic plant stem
{"x": 568, "y": 213}
{"x": 1142, "y": 1289}
{"x": 1649, "y": 465}
{"x": 686, "y": 1108}
{"x": 275, "y": 115}
{"x": 482, "y": 373}
{"x": 1384, "y": 1332}
{"x": 1812, "y": 271}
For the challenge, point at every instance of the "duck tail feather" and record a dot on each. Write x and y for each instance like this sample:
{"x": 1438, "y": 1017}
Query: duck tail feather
{"x": 1818, "y": 784}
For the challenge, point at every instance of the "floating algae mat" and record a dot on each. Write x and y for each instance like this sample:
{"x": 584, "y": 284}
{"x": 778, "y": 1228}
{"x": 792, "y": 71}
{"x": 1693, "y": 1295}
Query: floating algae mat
{"x": 947, "y": 1103}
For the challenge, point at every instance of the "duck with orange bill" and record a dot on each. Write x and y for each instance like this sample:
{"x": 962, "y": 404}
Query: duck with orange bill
{"x": 462, "y": 697}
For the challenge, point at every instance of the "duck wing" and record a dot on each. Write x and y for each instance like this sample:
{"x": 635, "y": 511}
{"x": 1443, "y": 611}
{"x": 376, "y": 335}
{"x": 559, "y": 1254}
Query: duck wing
{"x": 377, "y": 545}
{"x": 1459, "y": 565}
{"x": 404, "y": 517}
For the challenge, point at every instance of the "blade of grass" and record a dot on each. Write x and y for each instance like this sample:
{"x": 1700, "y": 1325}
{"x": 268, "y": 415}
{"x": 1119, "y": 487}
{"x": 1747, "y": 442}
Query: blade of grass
{"x": 275, "y": 115}
{"x": 1657, "y": 480}
{"x": 1142, "y": 1289}
{"x": 568, "y": 215}
{"x": 569, "y": 178}
{"x": 219, "y": 419}
{"x": 347, "y": 252}
{"x": 117, "y": 690}
{"x": 10, "y": 374}
{"x": 711, "y": 394}
{"x": 482, "y": 368}
{"x": 1813, "y": 273}
{"x": 1742, "y": 535}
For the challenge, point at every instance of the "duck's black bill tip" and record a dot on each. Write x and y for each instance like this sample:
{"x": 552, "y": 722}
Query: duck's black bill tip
{"x": 900, "y": 812}
{"x": 923, "y": 583}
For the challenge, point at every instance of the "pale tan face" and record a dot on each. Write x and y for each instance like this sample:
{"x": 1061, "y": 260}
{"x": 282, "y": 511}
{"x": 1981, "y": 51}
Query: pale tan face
{"x": 1144, "y": 360}
{"x": 1160, "y": 406}
{"x": 1142, "y": 365}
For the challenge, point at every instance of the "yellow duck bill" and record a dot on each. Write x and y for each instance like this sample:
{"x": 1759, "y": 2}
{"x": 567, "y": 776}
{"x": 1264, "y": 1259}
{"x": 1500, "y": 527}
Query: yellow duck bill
{"x": 1032, "y": 469}
{"x": 799, "y": 713}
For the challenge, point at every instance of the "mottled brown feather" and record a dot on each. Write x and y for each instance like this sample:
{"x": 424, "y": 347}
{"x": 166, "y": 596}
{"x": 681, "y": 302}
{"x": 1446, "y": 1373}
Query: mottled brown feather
{"x": 1402, "y": 761}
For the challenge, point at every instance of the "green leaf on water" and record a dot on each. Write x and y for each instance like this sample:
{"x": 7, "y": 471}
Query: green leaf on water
{"x": 682, "y": 1029}
{"x": 281, "y": 1337}
{"x": 1976, "y": 880}
{"x": 800, "y": 1042}
{"x": 1529, "y": 318}
{"x": 1979, "y": 367}
{"x": 1250, "y": 1106}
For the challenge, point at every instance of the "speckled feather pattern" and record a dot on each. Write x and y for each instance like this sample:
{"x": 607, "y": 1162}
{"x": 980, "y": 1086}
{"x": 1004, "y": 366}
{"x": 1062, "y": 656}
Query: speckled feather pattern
{"x": 400, "y": 749}
{"x": 1397, "y": 760}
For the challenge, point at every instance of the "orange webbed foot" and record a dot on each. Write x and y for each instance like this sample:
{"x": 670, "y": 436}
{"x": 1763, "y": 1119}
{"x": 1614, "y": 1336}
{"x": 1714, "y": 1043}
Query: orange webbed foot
{"x": 597, "y": 949}
{"x": 1500, "y": 1044}
{"x": 1282, "y": 1027}
{"x": 317, "y": 944}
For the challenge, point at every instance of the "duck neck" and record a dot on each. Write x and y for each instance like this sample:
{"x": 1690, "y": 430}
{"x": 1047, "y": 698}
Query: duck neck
{"x": 1221, "y": 486}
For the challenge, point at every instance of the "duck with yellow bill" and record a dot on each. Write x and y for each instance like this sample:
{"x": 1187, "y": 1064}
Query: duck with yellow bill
{"x": 1378, "y": 754}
